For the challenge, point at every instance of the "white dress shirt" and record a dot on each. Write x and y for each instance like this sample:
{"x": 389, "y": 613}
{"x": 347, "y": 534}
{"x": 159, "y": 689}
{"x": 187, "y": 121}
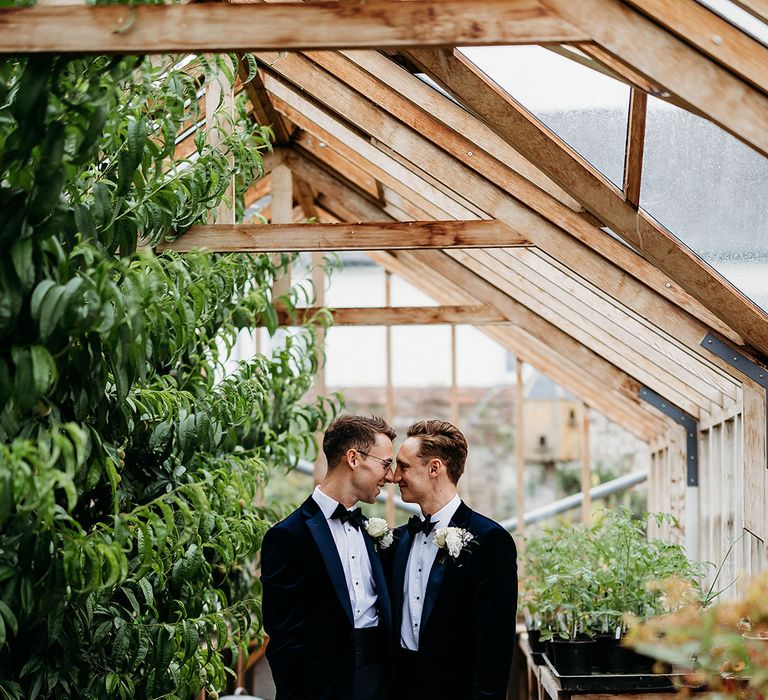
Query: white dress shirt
{"x": 420, "y": 561}
{"x": 355, "y": 562}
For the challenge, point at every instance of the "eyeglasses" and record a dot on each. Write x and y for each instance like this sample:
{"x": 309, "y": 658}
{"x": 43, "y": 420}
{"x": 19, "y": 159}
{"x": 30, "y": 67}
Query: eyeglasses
{"x": 386, "y": 462}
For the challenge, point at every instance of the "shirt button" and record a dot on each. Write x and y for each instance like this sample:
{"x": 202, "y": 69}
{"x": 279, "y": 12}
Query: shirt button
{"x": 418, "y": 597}
{"x": 419, "y": 569}
{"x": 357, "y": 583}
{"x": 353, "y": 556}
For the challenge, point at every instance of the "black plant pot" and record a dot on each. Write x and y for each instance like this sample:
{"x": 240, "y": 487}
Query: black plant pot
{"x": 612, "y": 657}
{"x": 573, "y": 658}
{"x": 534, "y": 641}
{"x": 600, "y": 659}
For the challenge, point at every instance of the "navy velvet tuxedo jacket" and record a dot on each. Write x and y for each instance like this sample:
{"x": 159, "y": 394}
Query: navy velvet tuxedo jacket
{"x": 468, "y": 620}
{"x": 306, "y": 607}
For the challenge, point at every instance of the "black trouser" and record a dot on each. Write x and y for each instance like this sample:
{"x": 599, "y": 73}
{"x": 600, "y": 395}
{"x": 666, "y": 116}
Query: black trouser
{"x": 372, "y": 672}
{"x": 407, "y": 674}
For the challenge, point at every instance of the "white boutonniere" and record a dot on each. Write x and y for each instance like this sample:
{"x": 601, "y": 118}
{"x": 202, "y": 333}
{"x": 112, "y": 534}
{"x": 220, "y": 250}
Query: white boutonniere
{"x": 454, "y": 540}
{"x": 381, "y": 533}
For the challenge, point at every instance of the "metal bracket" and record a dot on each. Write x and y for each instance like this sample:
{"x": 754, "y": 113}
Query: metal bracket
{"x": 736, "y": 360}
{"x": 690, "y": 424}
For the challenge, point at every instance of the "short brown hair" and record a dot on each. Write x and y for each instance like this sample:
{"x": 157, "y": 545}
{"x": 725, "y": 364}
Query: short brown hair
{"x": 353, "y": 433}
{"x": 441, "y": 439}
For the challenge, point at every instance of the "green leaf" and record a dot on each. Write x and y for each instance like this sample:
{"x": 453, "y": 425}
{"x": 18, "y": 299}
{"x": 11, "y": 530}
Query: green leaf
{"x": 50, "y": 310}
{"x": 113, "y": 681}
{"x": 38, "y": 295}
{"x": 9, "y": 617}
{"x": 23, "y": 263}
{"x": 43, "y": 369}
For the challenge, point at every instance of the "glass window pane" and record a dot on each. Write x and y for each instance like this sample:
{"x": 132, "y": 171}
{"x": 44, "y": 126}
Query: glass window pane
{"x": 711, "y": 191}
{"x": 740, "y": 18}
{"x": 585, "y": 108}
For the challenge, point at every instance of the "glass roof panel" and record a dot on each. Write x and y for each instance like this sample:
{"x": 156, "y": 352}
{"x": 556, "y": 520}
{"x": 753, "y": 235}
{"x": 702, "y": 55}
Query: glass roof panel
{"x": 739, "y": 17}
{"x": 585, "y": 108}
{"x": 711, "y": 191}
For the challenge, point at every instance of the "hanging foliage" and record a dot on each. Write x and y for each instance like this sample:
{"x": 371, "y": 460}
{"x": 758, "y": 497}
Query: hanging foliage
{"x": 130, "y": 457}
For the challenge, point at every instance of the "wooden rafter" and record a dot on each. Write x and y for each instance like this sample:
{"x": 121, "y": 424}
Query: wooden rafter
{"x": 487, "y": 196}
{"x": 261, "y": 238}
{"x": 262, "y": 110}
{"x": 601, "y": 384}
{"x": 476, "y": 315}
{"x": 231, "y": 27}
{"x": 531, "y": 319}
{"x": 305, "y": 196}
{"x": 616, "y": 399}
{"x": 333, "y": 185}
{"x": 633, "y": 156}
{"x": 328, "y": 151}
{"x": 572, "y": 172}
{"x": 424, "y": 110}
{"x": 711, "y": 35}
{"x": 635, "y": 295}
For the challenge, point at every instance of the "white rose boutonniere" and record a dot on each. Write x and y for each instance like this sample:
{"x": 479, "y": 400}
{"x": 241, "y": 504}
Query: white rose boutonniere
{"x": 453, "y": 539}
{"x": 378, "y": 529}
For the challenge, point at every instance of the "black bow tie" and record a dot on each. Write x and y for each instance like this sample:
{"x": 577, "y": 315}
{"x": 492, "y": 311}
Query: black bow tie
{"x": 354, "y": 517}
{"x": 416, "y": 525}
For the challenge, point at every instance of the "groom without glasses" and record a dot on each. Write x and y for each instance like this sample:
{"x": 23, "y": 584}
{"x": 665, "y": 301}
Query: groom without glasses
{"x": 454, "y": 591}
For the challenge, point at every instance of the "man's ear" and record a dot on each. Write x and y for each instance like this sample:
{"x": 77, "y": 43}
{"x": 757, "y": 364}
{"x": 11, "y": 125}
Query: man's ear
{"x": 435, "y": 465}
{"x": 352, "y": 458}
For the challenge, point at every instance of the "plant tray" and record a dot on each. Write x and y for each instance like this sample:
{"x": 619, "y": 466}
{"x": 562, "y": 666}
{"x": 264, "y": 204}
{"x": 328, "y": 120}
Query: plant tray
{"x": 613, "y": 683}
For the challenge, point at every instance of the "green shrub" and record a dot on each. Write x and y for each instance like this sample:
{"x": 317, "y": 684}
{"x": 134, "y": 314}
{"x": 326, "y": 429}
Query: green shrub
{"x": 130, "y": 458}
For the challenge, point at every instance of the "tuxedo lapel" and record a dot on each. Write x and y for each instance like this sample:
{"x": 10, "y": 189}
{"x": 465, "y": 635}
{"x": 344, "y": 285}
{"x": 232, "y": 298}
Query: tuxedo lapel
{"x": 437, "y": 573}
{"x": 321, "y": 533}
{"x": 398, "y": 573}
{"x": 379, "y": 581}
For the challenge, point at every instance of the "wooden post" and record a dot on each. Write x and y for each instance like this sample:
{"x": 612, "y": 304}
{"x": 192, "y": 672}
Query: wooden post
{"x": 282, "y": 213}
{"x": 586, "y": 468}
{"x": 520, "y": 462}
{"x": 520, "y": 444}
{"x": 318, "y": 280}
{"x": 390, "y": 394}
{"x": 454, "y": 384}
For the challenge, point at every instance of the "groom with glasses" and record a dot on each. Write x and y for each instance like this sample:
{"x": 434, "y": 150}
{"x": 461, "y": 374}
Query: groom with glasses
{"x": 324, "y": 596}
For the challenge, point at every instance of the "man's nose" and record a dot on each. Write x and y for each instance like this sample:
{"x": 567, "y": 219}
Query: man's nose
{"x": 396, "y": 476}
{"x": 390, "y": 476}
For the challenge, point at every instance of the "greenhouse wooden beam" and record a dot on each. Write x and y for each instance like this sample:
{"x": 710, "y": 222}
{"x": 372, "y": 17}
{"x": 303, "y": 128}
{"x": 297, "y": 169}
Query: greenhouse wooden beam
{"x": 263, "y": 111}
{"x": 433, "y": 117}
{"x": 697, "y": 25}
{"x": 265, "y": 238}
{"x": 213, "y": 26}
{"x": 634, "y": 350}
{"x": 722, "y": 96}
{"x": 614, "y": 396}
{"x": 634, "y": 294}
{"x": 645, "y": 341}
{"x": 473, "y": 315}
{"x": 334, "y": 185}
{"x": 610, "y": 395}
{"x": 597, "y": 262}
{"x": 327, "y": 151}
{"x": 633, "y": 152}
{"x": 604, "y": 200}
